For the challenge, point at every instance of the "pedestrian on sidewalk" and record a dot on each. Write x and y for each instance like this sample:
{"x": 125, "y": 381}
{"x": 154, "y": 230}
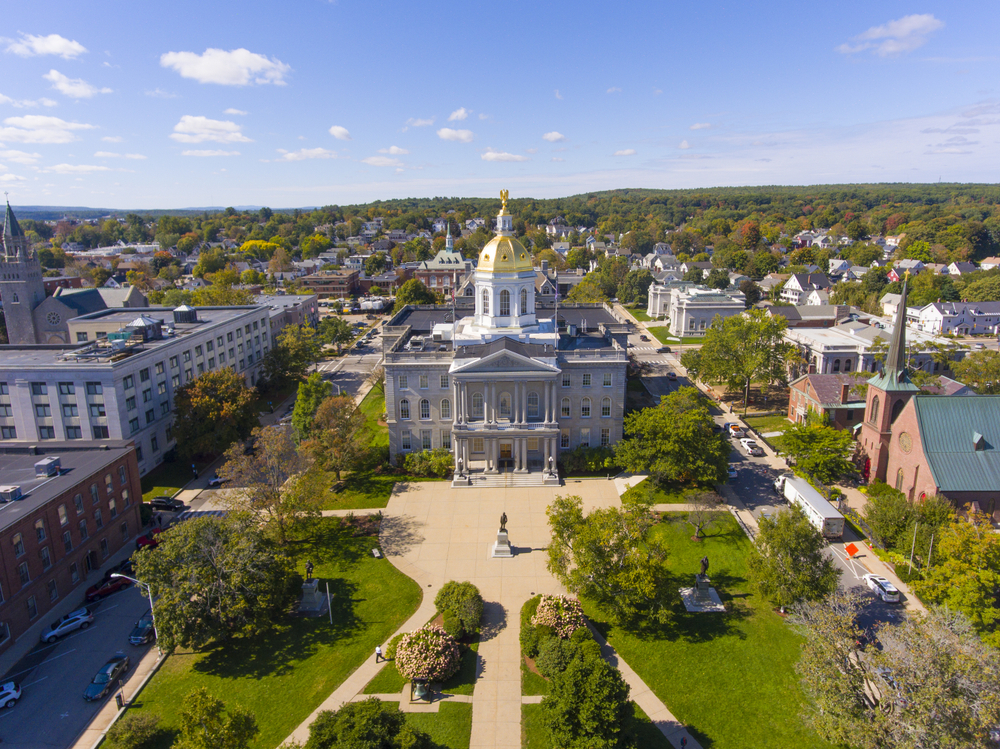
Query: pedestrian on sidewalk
{"x": 684, "y": 741}
{"x": 378, "y": 653}
{"x": 159, "y": 520}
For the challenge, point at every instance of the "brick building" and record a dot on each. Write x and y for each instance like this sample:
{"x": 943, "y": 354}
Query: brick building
{"x": 339, "y": 284}
{"x": 68, "y": 509}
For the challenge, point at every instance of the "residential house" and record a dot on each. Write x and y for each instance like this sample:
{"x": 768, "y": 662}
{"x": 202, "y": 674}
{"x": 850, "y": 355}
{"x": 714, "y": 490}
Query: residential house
{"x": 960, "y": 318}
{"x": 798, "y": 286}
{"x": 961, "y": 268}
{"x": 989, "y": 263}
{"x": 817, "y": 297}
{"x": 704, "y": 266}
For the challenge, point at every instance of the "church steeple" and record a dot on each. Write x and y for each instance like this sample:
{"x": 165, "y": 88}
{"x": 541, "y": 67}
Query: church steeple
{"x": 894, "y": 376}
{"x": 13, "y": 235}
{"x": 449, "y": 245}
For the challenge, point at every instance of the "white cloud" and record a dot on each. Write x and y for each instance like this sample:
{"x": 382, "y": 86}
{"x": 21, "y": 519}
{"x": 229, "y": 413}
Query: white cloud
{"x": 531, "y": 150}
{"x": 112, "y": 139}
{"x": 684, "y": 144}
{"x": 700, "y": 126}
{"x": 553, "y": 137}
{"x": 36, "y": 128}
{"x": 158, "y": 93}
{"x": 27, "y": 103}
{"x": 896, "y": 37}
{"x": 30, "y": 45}
{"x": 112, "y": 155}
{"x": 657, "y": 91}
{"x": 20, "y": 157}
{"x": 614, "y": 90}
{"x": 381, "y": 161}
{"x": 558, "y": 95}
{"x": 556, "y": 158}
{"x": 459, "y": 114}
{"x": 492, "y": 155}
{"x": 210, "y": 153}
{"x": 76, "y": 169}
{"x": 306, "y": 153}
{"x": 11, "y": 178}
{"x": 625, "y": 152}
{"x": 75, "y": 88}
{"x": 413, "y": 122}
{"x": 238, "y": 67}
{"x": 192, "y": 129}
{"x": 483, "y": 116}
{"x": 394, "y": 151}
{"x": 231, "y": 110}
{"x": 340, "y": 133}
{"x": 462, "y": 136}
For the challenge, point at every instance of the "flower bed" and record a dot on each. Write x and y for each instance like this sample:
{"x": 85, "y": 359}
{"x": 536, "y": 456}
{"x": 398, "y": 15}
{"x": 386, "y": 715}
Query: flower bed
{"x": 429, "y": 654}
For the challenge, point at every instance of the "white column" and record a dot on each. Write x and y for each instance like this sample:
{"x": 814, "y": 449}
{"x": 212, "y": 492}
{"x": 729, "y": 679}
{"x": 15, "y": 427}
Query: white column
{"x": 515, "y": 398}
{"x": 548, "y": 386}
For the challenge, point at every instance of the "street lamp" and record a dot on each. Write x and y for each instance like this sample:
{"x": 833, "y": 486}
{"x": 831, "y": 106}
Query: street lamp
{"x": 152, "y": 608}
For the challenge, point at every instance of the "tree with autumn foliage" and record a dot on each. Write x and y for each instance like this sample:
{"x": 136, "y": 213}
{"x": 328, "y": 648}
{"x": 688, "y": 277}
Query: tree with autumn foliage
{"x": 212, "y": 412}
{"x": 335, "y": 439}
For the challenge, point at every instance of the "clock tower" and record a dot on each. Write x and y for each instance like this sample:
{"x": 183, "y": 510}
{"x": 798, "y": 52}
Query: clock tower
{"x": 21, "y": 286}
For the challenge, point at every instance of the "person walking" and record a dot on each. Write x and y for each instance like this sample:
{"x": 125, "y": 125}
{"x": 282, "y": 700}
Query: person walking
{"x": 378, "y": 653}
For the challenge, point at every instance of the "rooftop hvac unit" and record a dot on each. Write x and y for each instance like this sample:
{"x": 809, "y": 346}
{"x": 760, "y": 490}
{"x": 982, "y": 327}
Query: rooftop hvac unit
{"x": 47, "y": 467}
{"x": 9, "y": 493}
{"x": 185, "y": 314}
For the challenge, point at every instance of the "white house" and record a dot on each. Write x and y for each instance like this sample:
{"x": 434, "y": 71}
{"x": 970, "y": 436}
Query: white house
{"x": 798, "y": 286}
{"x": 960, "y": 318}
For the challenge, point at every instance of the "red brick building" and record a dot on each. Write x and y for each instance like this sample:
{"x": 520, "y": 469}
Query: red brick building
{"x": 833, "y": 395}
{"x": 338, "y": 284}
{"x": 69, "y": 508}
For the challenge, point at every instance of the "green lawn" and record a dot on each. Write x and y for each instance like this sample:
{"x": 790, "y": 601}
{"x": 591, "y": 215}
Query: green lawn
{"x": 662, "y": 334}
{"x": 669, "y": 494}
{"x": 282, "y": 676}
{"x": 728, "y": 677}
{"x": 534, "y": 734}
{"x": 639, "y": 314}
{"x": 773, "y": 423}
{"x": 373, "y": 406}
{"x": 168, "y": 479}
{"x": 450, "y": 728}
{"x": 390, "y": 681}
{"x": 362, "y": 491}
{"x": 532, "y": 683}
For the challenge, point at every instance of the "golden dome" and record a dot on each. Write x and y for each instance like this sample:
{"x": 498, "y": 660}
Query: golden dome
{"x": 504, "y": 254}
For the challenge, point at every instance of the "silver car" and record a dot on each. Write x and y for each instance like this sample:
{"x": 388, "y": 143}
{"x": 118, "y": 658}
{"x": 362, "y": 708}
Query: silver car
{"x": 10, "y": 693}
{"x": 79, "y": 619}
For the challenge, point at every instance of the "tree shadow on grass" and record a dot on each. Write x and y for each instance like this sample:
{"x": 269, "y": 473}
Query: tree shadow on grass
{"x": 329, "y": 541}
{"x": 377, "y": 487}
{"x": 275, "y": 653}
{"x": 399, "y": 534}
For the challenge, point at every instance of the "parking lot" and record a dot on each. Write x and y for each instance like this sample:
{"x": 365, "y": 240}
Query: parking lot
{"x": 52, "y": 712}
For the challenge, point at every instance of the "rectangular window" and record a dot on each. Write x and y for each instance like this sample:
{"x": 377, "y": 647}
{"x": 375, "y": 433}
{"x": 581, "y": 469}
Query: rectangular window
{"x": 565, "y": 408}
{"x": 159, "y": 367}
{"x": 229, "y": 336}
{"x": 68, "y": 541}
{"x": 565, "y": 380}
{"x": 444, "y": 382}
{"x": 147, "y": 395}
{"x": 82, "y": 525}
{"x": 46, "y": 558}
{"x": 63, "y": 515}
{"x": 122, "y": 475}
{"x": 4, "y": 390}
{"x": 606, "y": 407}
{"x": 130, "y": 403}
{"x": 187, "y": 356}
{"x": 81, "y": 337}
{"x": 40, "y": 530}
{"x": 161, "y": 388}
{"x": 74, "y": 573}
{"x": 425, "y": 439}
{"x": 175, "y": 381}
{"x": 133, "y": 425}
{"x": 70, "y": 410}
{"x": 94, "y": 494}
{"x": 198, "y": 351}
{"x": 125, "y": 500}
{"x": 6, "y": 410}
{"x": 18, "y": 543}
{"x": 585, "y": 408}
{"x": 124, "y": 530}
{"x": 446, "y": 440}
{"x": 165, "y": 408}
{"x": 154, "y": 442}
{"x": 607, "y": 379}
{"x": 46, "y": 433}
{"x": 66, "y": 388}
{"x": 78, "y": 504}
{"x": 211, "y": 362}
{"x": 533, "y": 444}
{"x": 97, "y": 409}
{"x": 32, "y": 608}
{"x": 403, "y": 383}
{"x": 209, "y": 346}
{"x": 850, "y": 415}
{"x": 404, "y": 440}
{"x": 564, "y": 439}
{"x": 605, "y": 437}
{"x": 100, "y": 433}
{"x": 42, "y": 409}
{"x": 220, "y": 341}
{"x": 586, "y": 379}
{"x": 39, "y": 388}
{"x": 8, "y": 433}
{"x": 232, "y": 353}
{"x": 144, "y": 375}
{"x": 105, "y": 551}
{"x": 150, "y": 416}
{"x": 173, "y": 362}
{"x": 53, "y": 590}
{"x": 585, "y": 437}
{"x": 201, "y": 368}
{"x": 423, "y": 382}
{"x": 95, "y": 388}
{"x": 478, "y": 445}
{"x": 128, "y": 382}
{"x": 22, "y": 571}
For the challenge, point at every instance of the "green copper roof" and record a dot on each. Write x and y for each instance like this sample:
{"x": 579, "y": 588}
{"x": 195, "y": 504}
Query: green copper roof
{"x": 961, "y": 439}
{"x": 10, "y": 226}
{"x": 894, "y": 377}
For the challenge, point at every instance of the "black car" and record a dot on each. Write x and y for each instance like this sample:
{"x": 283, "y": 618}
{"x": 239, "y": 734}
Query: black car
{"x": 107, "y": 678}
{"x": 143, "y": 631}
{"x": 170, "y": 504}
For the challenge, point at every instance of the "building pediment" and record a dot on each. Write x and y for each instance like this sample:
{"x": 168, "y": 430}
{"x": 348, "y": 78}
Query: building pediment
{"x": 502, "y": 361}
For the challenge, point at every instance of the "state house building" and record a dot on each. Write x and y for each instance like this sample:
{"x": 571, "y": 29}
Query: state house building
{"x": 502, "y": 383}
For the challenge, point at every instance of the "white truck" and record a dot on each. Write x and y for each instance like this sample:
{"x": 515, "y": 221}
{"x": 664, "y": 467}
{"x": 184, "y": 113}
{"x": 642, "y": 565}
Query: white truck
{"x": 823, "y": 515}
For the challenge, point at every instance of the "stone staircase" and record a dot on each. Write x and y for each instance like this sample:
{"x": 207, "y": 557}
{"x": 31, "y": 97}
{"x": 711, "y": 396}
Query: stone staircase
{"x": 509, "y": 480}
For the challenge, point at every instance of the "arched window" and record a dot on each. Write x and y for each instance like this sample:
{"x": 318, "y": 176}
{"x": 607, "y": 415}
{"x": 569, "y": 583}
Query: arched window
{"x": 504, "y": 303}
{"x": 873, "y": 415}
{"x": 565, "y": 408}
{"x": 847, "y": 365}
{"x": 524, "y": 302}
{"x": 897, "y": 407}
{"x": 477, "y": 405}
{"x": 585, "y": 408}
{"x": 606, "y": 407}
{"x": 445, "y": 408}
{"x": 469, "y": 291}
{"x": 404, "y": 409}
{"x": 899, "y": 480}
{"x": 532, "y": 405}
{"x": 836, "y": 365}
{"x": 425, "y": 408}
{"x": 486, "y": 301}
{"x": 504, "y": 397}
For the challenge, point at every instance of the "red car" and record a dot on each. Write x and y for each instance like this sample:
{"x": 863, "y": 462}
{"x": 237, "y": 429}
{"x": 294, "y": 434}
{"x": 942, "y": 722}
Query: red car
{"x": 150, "y": 540}
{"x": 106, "y": 587}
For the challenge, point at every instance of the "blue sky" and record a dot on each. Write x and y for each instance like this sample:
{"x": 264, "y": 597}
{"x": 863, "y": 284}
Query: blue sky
{"x": 141, "y": 105}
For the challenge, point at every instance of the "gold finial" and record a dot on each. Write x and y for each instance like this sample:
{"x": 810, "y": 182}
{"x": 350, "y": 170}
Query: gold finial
{"x": 504, "y": 194}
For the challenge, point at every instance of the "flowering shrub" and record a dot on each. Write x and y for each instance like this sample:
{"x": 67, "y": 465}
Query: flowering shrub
{"x": 562, "y": 613}
{"x": 429, "y": 653}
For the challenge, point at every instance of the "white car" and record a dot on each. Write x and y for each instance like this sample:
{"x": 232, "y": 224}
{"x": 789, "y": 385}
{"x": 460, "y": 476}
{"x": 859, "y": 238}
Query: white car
{"x": 732, "y": 471}
{"x": 883, "y": 588}
{"x": 750, "y": 447}
{"x": 10, "y": 693}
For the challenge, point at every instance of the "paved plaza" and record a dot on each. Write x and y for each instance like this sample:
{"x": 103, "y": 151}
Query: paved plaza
{"x": 434, "y": 534}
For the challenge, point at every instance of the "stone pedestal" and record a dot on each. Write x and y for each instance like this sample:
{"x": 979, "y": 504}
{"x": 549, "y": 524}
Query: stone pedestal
{"x": 502, "y": 548}
{"x": 313, "y": 601}
{"x": 457, "y": 480}
{"x": 702, "y": 597}
{"x": 551, "y": 479}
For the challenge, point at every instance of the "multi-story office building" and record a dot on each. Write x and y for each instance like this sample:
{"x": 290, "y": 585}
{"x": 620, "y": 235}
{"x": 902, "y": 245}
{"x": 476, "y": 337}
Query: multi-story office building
{"x": 64, "y": 510}
{"x": 120, "y": 384}
{"x": 510, "y": 385}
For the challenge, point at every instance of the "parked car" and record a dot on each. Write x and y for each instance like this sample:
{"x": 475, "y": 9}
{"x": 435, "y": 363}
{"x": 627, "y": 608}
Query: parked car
{"x": 106, "y": 587}
{"x": 106, "y": 679}
{"x": 979, "y": 346}
{"x": 10, "y": 693}
{"x": 731, "y": 470}
{"x": 150, "y": 540}
{"x": 79, "y": 619}
{"x": 672, "y": 376}
{"x": 217, "y": 481}
{"x": 643, "y": 337}
{"x": 663, "y": 350}
{"x": 143, "y": 630}
{"x": 882, "y": 587}
{"x": 733, "y": 430}
{"x": 168, "y": 504}
{"x": 751, "y": 447}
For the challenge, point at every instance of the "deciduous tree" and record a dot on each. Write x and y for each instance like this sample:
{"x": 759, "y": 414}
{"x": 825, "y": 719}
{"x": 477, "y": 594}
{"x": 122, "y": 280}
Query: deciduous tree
{"x": 205, "y": 723}
{"x": 312, "y": 392}
{"x": 335, "y": 330}
{"x": 981, "y": 371}
{"x": 413, "y": 292}
{"x": 335, "y": 441}
{"x": 820, "y": 450}
{"x": 212, "y": 412}
{"x": 369, "y": 724}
